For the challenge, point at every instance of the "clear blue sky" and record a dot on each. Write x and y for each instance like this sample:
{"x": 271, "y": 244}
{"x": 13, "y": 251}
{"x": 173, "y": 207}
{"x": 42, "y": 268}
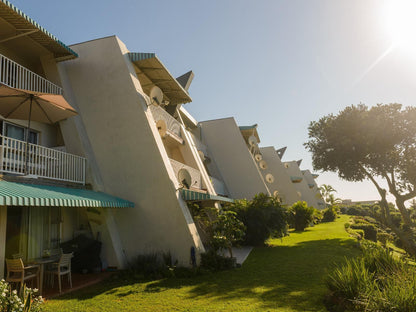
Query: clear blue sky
{"x": 279, "y": 64}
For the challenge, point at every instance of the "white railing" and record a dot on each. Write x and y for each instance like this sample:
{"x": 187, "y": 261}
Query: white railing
{"x": 171, "y": 123}
{"x": 195, "y": 174}
{"x": 16, "y": 76}
{"x": 41, "y": 161}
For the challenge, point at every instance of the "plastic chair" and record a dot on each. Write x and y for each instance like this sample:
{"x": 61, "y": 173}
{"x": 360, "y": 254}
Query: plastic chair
{"x": 63, "y": 267}
{"x": 16, "y": 272}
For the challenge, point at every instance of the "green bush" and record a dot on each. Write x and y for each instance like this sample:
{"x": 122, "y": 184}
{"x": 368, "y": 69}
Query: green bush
{"x": 329, "y": 214}
{"x": 384, "y": 237}
{"x": 214, "y": 262}
{"x": 263, "y": 217}
{"x": 301, "y": 215}
{"x": 358, "y": 234}
{"x": 370, "y": 231}
{"x": 377, "y": 281}
{"x": 23, "y": 301}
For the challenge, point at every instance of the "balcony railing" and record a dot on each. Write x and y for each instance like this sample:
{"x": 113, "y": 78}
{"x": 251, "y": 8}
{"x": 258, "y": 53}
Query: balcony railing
{"x": 196, "y": 178}
{"x": 41, "y": 161}
{"x": 16, "y": 76}
{"x": 171, "y": 123}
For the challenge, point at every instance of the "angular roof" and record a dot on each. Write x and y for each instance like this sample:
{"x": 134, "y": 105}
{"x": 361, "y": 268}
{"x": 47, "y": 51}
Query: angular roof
{"x": 21, "y": 21}
{"x": 151, "y": 72}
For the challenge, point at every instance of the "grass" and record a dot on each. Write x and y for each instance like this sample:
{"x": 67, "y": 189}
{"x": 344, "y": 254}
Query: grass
{"x": 286, "y": 276}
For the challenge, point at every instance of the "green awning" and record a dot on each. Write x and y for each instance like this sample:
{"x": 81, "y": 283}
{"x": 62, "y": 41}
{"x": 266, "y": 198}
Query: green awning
{"x": 189, "y": 195}
{"x": 296, "y": 179}
{"x": 21, "y": 194}
{"x": 22, "y": 22}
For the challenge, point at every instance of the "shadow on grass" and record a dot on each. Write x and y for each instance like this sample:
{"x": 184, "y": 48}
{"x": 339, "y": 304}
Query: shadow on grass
{"x": 271, "y": 277}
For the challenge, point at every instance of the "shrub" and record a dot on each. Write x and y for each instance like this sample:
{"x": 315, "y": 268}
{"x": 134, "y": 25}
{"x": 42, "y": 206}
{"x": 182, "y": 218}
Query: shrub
{"x": 384, "y": 237}
{"x": 377, "y": 281}
{"x": 329, "y": 215}
{"x": 347, "y": 225}
{"x": 301, "y": 215}
{"x": 370, "y": 231}
{"x": 263, "y": 217}
{"x": 214, "y": 262}
{"x": 348, "y": 283}
{"x": 24, "y": 300}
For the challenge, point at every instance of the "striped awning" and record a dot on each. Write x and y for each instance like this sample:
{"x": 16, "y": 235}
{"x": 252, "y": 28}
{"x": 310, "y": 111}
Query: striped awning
{"x": 296, "y": 179}
{"x": 24, "y": 23}
{"x": 189, "y": 195}
{"x": 21, "y": 194}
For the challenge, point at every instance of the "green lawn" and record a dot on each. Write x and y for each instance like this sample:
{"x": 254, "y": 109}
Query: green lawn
{"x": 287, "y": 276}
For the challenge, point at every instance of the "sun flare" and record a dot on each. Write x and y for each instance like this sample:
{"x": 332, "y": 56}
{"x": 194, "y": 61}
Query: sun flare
{"x": 399, "y": 19}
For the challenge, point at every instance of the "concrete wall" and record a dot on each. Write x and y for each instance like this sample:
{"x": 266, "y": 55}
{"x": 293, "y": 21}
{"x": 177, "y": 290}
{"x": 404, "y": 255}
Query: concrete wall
{"x": 306, "y": 193}
{"x": 315, "y": 190}
{"x": 125, "y": 152}
{"x": 232, "y": 158}
{"x": 282, "y": 182}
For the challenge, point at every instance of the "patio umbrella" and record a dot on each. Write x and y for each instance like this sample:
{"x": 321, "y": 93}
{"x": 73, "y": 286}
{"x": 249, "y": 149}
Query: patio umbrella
{"x": 33, "y": 106}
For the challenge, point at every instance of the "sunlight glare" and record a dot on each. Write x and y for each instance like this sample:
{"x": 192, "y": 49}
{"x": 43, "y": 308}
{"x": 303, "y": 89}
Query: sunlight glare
{"x": 399, "y": 19}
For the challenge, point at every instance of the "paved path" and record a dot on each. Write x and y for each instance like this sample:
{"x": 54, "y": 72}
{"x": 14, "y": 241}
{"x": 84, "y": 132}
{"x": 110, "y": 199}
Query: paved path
{"x": 241, "y": 253}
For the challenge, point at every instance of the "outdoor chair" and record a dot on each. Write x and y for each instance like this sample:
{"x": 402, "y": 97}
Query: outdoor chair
{"x": 63, "y": 267}
{"x": 17, "y": 272}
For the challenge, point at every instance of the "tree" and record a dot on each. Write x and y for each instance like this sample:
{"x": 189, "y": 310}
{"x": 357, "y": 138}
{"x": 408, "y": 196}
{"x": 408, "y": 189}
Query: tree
{"x": 301, "y": 215}
{"x": 327, "y": 192}
{"x": 369, "y": 143}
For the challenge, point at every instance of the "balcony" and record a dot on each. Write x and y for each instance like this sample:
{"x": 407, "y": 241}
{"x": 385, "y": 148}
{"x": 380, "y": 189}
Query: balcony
{"x": 173, "y": 127}
{"x": 196, "y": 178}
{"x": 16, "y": 76}
{"x": 42, "y": 162}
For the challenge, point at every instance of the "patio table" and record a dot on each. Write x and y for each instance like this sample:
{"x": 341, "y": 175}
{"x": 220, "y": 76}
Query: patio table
{"x": 41, "y": 262}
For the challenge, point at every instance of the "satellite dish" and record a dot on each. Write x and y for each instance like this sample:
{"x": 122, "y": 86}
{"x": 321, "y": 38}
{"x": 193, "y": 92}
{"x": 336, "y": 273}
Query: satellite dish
{"x": 258, "y": 157}
{"x": 276, "y": 193}
{"x": 161, "y": 127}
{"x": 252, "y": 140}
{"x": 269, "y": 178}
{"x": 299, "y": 193}
{"x": 184, "y": 178}
{"x": 156, "y": 96}
{"x": 263, "y": 164}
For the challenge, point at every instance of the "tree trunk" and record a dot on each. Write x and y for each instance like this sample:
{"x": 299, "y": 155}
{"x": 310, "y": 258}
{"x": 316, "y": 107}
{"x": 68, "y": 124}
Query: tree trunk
{"x": 404, "y": 212}
{"x": 407, "y": 239}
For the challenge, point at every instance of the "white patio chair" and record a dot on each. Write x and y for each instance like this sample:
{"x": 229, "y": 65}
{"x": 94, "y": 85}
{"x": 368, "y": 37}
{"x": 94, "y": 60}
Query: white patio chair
{"x": 63, "y": 267}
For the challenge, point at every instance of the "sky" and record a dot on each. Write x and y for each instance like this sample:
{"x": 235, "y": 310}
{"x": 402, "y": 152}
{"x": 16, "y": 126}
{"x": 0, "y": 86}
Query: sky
{"x": 277, "y": 63}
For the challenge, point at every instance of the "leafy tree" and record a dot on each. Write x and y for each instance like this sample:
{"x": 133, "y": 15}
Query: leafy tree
{"x": 263, "y": 217}
{"x": 369, "y": 143}
{"x": 301, "y": 215}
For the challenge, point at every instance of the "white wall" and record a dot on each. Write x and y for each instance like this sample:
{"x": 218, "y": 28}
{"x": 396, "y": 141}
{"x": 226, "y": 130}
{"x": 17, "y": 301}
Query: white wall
{"x": 282, "y": 182}
{"x": 125, "y": 151}
{"x": 228, "y": 149}
{"x": 302, "y": 187}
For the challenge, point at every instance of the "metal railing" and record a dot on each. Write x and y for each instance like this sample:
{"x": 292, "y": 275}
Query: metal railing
{"x": 40, "y": 161}
{"x": 195, "y": 174}
{"x": 171, "y": 123}
{"x": 17, "y": 76}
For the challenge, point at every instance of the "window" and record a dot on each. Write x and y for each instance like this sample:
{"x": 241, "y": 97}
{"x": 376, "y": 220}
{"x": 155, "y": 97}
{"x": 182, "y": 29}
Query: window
{"x": 19, "y": 132}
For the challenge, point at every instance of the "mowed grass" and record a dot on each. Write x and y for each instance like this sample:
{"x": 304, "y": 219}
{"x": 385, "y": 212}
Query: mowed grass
{"x": 286, "y": 276}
